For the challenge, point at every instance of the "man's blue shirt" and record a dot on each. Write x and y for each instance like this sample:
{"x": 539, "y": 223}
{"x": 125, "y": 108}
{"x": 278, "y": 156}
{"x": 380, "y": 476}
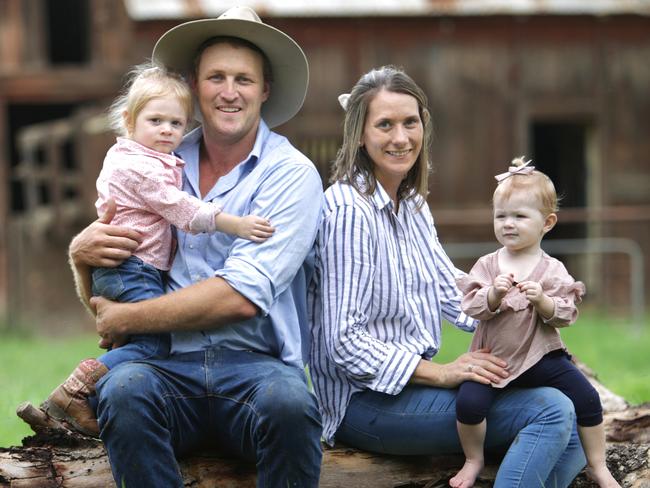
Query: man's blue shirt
{"x": 278, "y": 182}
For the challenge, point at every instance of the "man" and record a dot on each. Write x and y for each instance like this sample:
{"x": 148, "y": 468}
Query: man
{"x": 235, "y": 309}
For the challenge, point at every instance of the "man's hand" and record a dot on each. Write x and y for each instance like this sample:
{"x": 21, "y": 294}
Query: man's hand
{"x": 108, "y": 321}
{"x": 102, "y": 244}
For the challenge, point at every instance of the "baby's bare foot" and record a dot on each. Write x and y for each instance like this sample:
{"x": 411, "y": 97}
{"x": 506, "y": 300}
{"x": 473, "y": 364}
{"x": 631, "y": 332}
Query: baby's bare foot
{"x": 602, "y": 476}
{"x": 466, "y": 477}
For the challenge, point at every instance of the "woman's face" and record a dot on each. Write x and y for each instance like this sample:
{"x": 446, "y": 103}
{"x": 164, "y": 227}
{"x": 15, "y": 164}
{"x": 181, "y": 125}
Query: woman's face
{"x": 392, "y": 136}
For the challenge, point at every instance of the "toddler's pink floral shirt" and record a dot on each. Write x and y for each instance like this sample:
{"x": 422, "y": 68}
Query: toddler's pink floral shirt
{"x": 146, "y": 185}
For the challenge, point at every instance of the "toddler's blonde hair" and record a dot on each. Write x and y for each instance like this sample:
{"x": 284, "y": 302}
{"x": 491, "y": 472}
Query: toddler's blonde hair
{"x": 144, "y": 83}
{"x": 536, "y": 184}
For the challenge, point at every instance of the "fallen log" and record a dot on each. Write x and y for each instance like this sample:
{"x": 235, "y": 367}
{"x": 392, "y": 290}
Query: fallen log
{"x": 86, "y": 466}
{"x": 58, "y": 457}
{"x": 52, "y": 458}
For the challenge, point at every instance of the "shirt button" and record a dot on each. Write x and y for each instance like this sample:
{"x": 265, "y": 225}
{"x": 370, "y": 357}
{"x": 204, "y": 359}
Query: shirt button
{"x": 191, "y": 246}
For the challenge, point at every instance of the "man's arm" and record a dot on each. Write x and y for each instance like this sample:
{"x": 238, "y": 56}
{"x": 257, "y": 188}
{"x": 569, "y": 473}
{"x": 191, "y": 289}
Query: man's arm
{"x": 207, "y": 304}
{"x": 253, "y": 276}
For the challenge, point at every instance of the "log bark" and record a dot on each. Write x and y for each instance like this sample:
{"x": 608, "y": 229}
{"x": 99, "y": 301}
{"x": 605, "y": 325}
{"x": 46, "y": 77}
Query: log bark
{"x": 53, "y": 459}
{"x": 57, "y": 457}
{"x": 86, "y": 466}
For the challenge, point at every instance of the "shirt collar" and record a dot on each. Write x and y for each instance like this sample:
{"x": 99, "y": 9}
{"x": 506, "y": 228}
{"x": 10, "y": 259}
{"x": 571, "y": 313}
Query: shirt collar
{"x": 380, "y": 198}
{"x": 189, "y": 151}
{"x": 193, "y": 138}
{"x": 127, "y": 145}
{"x": 262, "y": 133}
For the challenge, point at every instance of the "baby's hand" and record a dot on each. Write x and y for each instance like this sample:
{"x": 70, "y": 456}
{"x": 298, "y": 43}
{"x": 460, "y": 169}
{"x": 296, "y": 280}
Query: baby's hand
{"x": 532, "y": 290}
{"x": 502, "y": 284}
{"x": 254, "y": 228}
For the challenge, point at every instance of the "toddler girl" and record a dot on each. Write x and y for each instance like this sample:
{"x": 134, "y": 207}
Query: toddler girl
{"x": 144, "y": 177}
{"x": 522, "y": 296}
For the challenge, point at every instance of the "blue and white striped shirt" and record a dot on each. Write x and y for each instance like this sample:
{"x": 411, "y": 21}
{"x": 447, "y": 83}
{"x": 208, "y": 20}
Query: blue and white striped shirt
{"x": 380, "y": 290}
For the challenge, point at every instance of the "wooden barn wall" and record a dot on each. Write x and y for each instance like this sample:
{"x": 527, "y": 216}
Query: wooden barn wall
{"x": 486, "y": 78}
{"x": 35, "y": 282}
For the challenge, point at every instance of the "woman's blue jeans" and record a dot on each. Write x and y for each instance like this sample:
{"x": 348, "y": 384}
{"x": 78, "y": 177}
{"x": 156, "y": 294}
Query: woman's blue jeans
{"x": 248, "y": 404}
{"x": 534, "y": 427}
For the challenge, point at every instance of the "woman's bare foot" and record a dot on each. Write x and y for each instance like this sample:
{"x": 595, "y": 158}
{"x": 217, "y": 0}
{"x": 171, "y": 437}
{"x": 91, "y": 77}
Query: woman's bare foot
{"x": 466, "y": 477}
{"x": 602, "y": 476}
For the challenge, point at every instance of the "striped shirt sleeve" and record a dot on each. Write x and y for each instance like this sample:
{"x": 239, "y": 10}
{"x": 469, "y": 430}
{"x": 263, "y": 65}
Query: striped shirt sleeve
{"x": 450, "y": 296}
{"x": 348, "y": 250}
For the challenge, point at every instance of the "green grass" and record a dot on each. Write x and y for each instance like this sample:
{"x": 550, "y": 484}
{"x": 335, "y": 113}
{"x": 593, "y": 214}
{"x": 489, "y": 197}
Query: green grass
{"x": 30, "y": 367}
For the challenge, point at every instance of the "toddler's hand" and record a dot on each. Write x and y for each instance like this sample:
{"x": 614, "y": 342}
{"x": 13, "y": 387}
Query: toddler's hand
{"x": 532, "y": 290}
{"x": 254, "y": 228}
{"x": 502, "y": 284}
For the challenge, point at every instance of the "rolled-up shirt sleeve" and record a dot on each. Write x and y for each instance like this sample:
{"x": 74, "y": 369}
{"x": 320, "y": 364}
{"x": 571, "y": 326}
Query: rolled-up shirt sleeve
{"x": 290, "y": 197}
{"x": 347, "y": 252}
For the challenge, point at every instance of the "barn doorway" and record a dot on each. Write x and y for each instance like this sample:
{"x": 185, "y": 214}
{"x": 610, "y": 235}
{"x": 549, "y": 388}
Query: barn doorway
{"x": 559, "y": 149}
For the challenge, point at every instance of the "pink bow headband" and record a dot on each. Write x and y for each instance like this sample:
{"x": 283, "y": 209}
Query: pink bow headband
{"x": 524, "y": 169}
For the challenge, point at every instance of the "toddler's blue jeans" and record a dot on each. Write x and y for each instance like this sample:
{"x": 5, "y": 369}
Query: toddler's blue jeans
{"x": 132, "y": 281}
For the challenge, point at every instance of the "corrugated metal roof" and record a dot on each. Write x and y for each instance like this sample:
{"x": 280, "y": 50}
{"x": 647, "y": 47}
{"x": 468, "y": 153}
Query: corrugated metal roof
{"x": 180, "y": 9}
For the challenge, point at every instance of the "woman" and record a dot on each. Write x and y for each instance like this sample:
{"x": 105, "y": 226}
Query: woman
{"x": 382, "y": 286}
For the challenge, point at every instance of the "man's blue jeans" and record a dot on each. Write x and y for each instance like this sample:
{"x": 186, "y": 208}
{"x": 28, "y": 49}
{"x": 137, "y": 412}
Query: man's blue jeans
{"x": 534, "y": 427}
{"x": 132, "y": 281}
{"x": 248, "y": 404}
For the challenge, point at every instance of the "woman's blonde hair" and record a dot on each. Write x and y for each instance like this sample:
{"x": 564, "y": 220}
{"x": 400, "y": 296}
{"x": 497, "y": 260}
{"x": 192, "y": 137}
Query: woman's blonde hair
{"x": 352, "y": 160}
{"x": 535, "y": 183}
{"x": 144, "y": 83}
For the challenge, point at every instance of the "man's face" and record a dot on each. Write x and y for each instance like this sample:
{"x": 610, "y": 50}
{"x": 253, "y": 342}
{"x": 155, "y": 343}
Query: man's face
{"x": 230, "y": 89}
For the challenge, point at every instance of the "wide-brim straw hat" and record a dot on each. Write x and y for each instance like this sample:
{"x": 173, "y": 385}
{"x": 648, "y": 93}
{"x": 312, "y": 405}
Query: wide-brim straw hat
{"x": 177, "y": 47}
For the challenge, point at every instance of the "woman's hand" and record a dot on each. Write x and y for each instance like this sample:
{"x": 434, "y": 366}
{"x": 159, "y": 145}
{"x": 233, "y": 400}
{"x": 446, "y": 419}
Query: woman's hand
{"x": 102, "y": 244}
{"x": 479, "y": 366}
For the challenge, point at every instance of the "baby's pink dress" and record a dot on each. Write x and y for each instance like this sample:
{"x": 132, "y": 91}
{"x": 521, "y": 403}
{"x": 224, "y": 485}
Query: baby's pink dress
{"x": 516, "y": 332}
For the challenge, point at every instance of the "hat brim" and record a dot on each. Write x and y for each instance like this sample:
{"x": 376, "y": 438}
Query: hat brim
{"x": 177, "y": 47}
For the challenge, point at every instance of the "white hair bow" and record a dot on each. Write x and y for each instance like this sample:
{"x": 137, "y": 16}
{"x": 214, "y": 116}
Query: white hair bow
{"x": 343, "y": 100}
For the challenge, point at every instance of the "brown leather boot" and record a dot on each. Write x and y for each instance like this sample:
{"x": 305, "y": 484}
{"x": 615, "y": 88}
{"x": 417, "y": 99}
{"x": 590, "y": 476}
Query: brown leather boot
{"x": 69, "y": 401}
